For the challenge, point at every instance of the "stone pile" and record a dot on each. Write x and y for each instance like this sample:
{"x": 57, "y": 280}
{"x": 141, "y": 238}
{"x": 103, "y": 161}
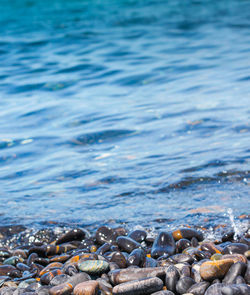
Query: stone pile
{"x": 114, "y": 261}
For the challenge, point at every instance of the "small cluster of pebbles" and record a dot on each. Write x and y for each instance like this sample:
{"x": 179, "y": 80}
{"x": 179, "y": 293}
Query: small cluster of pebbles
{"x": 115, "y": 261}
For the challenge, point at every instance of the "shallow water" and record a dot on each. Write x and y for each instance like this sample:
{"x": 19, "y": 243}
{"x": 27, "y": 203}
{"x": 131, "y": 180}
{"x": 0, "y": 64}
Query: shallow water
{"x": 124, "y": 111}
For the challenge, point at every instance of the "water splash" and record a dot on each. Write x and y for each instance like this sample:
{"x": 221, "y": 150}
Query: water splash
{"x": 236, "y": 225}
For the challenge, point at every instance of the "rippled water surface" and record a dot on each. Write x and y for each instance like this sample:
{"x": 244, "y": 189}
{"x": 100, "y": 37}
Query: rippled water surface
{"x": 133, "y": 111}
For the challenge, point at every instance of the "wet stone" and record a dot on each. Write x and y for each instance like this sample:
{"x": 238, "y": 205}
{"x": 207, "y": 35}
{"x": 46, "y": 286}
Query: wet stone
{"x": 57, "y": 280}
{"x": 87, "y": 288}
{"x": 79, "y": 278}
{"x": 238, "y": 268}
{"x": 70, "y": 269}
{"x": 47, "y": 277}
{"x": 240, "y": 289}
{"x": 210, "y": 247}
{"x": 22, "y": 266}
{"x": 82, "y": 256}
{"x": 60, "y": 258}
{"x": 119, "y": 276}
{"x": 235, "y": 257}
{"x": 199, "y": 255}
{"x": 31, "y": 258}
{"x": 105, "y": 234}
{"x": 211, "y": 270}
{"x": 42, "y": 261}
{"x": 138, "y": 235}
{"x": 119, "y": 259}
{"x": 185, "y": 271}
{"x": 235, "y": 248}
{"x": 182, "y": 244}
{"x": 51, "y": 266}
{"x": 163, "y": 262}
{"x": 184, "y": 284}
{"x": 136, "y": 257}
{"x": 127, "y": 244}
{"x": 41, "y": 251}
{"x": 74, "y": 234}
{"x": 214, "y": 289}
{"x": 177, "y": 258}
{"x": 138, "y": 287}
{"x": 120, "y": 231}
{"x": 164, "y": 244}
{"x": 105, "y": 286}
{"x": 187, "y": 233}
{"x": 9, "y": 270}
{"x": 103, "y": 249}
{"x": 198, "y": 288}
{"x": 172, "y": 277}
{"x": 93, "y": 266}
{"x": 62, "y": 289}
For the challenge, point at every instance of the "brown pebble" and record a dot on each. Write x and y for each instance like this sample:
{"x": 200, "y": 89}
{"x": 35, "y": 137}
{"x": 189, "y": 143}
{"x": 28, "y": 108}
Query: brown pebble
{"x": 62, "y": 289}
{"x": 211, "y": 270}
{"x": 235, "y": 257}
{"x": 86, "y": 288}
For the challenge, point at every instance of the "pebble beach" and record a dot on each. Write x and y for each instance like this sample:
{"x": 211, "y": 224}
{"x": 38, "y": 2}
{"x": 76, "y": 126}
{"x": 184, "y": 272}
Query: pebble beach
{"x": 119, "y": 261}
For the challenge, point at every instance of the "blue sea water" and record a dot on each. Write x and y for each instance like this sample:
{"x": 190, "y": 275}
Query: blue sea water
{"x": 131, "y": 111}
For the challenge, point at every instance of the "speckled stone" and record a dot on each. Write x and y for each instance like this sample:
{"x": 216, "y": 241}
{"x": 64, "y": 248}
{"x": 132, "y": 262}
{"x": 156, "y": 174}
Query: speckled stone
{"x": 93, "y": 266}
{"x": 139, "y": 287}
{"x": 119, "y": 276}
